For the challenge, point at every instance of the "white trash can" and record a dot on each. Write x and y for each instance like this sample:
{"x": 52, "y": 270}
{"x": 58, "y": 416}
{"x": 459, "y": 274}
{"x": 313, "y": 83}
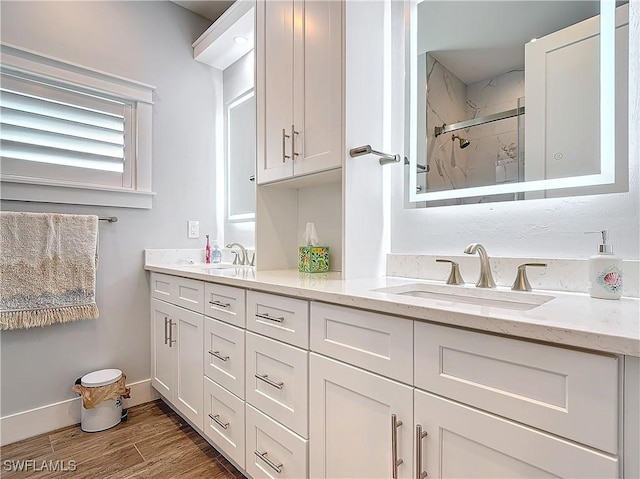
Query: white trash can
{"x": 108, "y": 413}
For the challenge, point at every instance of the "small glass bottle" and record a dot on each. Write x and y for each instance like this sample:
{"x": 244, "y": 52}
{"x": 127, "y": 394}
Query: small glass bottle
{"x": 216, "y": 254}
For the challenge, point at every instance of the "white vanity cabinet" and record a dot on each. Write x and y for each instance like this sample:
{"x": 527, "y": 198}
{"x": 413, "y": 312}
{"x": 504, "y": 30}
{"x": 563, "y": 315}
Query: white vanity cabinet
{"x": 310, "y": 389}
{"x": 299, "y": 87}
{"x": 462, "y": 441}
{"x": 350, "y": 422}
{"x": 176, "y": 348}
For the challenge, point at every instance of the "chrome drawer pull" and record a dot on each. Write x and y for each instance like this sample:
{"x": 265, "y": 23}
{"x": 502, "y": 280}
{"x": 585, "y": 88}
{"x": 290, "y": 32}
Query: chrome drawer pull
{"x": 219, "y": 356}
{"x": 263, "y": 456}
{"x": 221, "y": 304}
{"x": 395, "y": 462}
{"x": 166, "y": 331}
{"x": 420, "y": 435}
{"x": 171, "y": 340}
{"x": 216, "y": 418}
{"x": 265, "y": 378}
{"x": 270, "y": 318}
{"x": 285, "y": 157}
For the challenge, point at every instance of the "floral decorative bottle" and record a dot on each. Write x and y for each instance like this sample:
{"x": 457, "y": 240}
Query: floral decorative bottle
{"x": 605, "y": 272}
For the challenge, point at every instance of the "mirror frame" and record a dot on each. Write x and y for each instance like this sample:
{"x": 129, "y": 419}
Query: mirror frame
{"x": 607, "y": 174}
{"x": 241, "y": 98}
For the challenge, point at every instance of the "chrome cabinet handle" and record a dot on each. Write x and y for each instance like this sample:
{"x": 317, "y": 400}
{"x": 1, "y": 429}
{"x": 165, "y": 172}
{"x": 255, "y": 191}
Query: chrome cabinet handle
{"x": 293, "y": 142}
{"x": 284, "y": 154}
{"x": 217, "y": 355}
{"x": 395, "y": 461}
{"x": 265, "y": 378}
{"x": 171, "y": 340}
{"x": 271, "y": 464}
{"x": 166, "y": 333}
{"x": 420, "y": 435}
{"x": 220, "y": 303}
{"x": 270, "y": 318}
{"x": 216, "y": 418}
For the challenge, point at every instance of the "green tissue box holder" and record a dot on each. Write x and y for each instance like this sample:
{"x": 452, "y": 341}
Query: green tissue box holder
{"x": 313, "y": 259}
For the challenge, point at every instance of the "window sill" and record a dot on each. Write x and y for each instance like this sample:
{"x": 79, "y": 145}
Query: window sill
{"x": 15, "y": 190}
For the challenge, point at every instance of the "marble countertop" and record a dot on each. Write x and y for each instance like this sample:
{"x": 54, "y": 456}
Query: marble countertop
{"x": 570, "y": 319}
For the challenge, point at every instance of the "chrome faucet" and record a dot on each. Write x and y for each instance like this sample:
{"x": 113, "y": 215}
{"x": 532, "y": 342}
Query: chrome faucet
{"x": 485, "y": 280}
{"x": 243, "y": 255}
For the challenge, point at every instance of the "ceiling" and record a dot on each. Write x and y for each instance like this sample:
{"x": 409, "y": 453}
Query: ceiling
{"x": 211, "y": 9}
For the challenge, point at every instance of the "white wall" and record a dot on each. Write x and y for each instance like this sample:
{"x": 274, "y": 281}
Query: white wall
{"x": 149, "y": 42}
{"x": 552, "y": 228}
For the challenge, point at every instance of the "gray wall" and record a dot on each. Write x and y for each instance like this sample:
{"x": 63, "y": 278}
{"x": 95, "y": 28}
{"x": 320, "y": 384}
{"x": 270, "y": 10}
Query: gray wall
{"x": 148, "y": 42}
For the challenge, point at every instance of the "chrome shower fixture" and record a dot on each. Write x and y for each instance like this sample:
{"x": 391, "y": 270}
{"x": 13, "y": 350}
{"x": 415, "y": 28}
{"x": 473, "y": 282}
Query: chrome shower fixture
{"x": 463, "y": 141}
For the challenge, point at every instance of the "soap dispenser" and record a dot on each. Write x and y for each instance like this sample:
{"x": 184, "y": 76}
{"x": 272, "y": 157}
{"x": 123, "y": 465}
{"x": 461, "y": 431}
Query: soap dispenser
{"x": 605, "y": 271}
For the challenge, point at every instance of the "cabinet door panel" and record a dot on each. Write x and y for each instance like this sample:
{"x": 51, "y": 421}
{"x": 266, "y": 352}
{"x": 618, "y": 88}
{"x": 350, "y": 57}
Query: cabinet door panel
{"x": 225, "y": 303}
{"x": 273, "y": 451}
{"x": 318, "y": 86}
{"x": 162, "y": 357}
{"x": 282, "y": 394}
{"x": 274, "y": 88}
{"x": 224, "y": 355}
{"x": 570, "y": 393}
{"x": 372, "y": 341}
{"x": 224, "y": 420}
{"x": 188, "y": 334}
{"x": 279, "y": 317}
{"x": 350, "y": 422}
{"x": 465, "y": 442}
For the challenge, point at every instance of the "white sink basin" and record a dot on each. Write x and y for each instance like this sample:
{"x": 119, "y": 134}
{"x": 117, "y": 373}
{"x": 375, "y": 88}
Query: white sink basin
{"x": 213, "y": 266}
{"x": 494, "y": 298}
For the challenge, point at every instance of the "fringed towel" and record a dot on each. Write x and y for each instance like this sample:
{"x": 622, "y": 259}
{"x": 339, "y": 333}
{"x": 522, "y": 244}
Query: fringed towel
{"x": 48, "y": 269}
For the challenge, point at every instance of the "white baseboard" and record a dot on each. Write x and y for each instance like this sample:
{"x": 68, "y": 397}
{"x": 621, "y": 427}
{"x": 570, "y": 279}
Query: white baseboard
{"x": 62, "y": 414}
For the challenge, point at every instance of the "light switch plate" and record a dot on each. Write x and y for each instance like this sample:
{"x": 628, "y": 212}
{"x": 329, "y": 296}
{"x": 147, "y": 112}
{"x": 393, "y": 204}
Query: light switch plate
{"x": 193, "y": 229}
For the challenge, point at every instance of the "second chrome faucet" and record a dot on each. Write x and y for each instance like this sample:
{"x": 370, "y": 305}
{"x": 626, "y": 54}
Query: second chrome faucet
{"x": 485, "y": 280}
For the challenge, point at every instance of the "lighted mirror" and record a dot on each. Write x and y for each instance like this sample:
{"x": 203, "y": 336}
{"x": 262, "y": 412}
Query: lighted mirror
{"x": 241, "y": 157}
{"x": 512, "y": 100}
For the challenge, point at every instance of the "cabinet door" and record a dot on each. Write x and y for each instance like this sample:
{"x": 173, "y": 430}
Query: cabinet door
{"x": 162, "y": 372}
{"x": 187, "y": 332}
{"x": 224, "y": 355}
{"x": 317, "y": 88}
{"x": 277, "y": 378}
{"x": 350, "y": 419}
{"x": 466, "y": 442}
{"x": 274, "y": 89}
{"x": 224, "y": 422}
{"x": 273, "y": 451}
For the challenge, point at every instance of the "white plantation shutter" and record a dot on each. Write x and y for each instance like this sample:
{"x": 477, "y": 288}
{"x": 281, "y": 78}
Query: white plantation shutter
{"x": 50, "y": 131}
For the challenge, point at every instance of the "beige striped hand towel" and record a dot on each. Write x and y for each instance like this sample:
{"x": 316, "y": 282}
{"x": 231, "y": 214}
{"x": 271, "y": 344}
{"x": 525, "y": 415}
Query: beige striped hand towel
{"x": 48, "y": 268}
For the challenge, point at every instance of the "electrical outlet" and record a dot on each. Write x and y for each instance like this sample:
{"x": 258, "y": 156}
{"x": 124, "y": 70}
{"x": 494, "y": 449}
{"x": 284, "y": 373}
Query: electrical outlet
{"x": 193, "y": 229}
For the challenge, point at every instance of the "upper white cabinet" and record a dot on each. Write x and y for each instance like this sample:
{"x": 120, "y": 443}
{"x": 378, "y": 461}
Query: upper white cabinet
{"x": 299, "y": 87}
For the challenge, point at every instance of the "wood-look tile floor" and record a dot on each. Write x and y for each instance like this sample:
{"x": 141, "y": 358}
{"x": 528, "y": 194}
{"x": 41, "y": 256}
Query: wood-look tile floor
{"x": 154, "y": 443}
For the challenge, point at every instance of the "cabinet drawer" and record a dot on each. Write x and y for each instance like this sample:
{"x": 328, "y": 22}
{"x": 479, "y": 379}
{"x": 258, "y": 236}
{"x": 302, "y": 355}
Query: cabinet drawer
{"x": 570, "y": 393}
{"x": 277, "y": 378}
{"x": 188, "y": 293}
{"x": 224, "y": 420}
{"x": 382, "y": 344}
{"x": 272, "y": 450}
{"x": 278, "y": 317}
{"x": 224, "y": 355}
{"x": 225, "y": 303}
{"x": 462, "y": 441}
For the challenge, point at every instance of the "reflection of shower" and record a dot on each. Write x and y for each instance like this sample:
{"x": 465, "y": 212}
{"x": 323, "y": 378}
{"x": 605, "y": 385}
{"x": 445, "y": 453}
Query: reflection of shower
{"x": 463, "y": 141}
